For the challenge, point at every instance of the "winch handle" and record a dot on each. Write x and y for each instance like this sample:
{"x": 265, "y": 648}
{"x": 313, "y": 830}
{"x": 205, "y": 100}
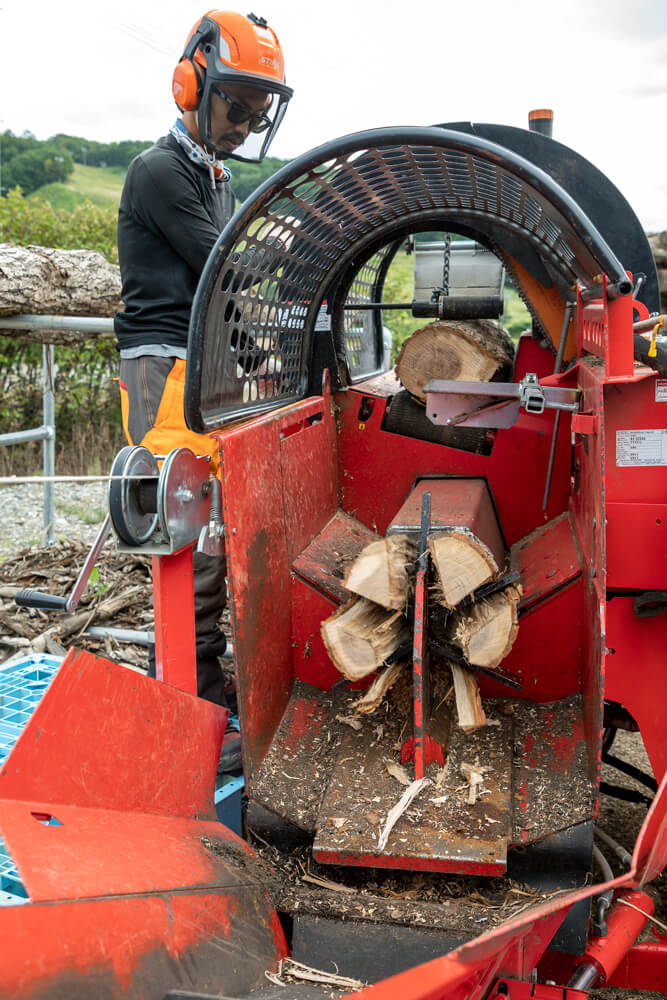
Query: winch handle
{"x": 36, "y": 599}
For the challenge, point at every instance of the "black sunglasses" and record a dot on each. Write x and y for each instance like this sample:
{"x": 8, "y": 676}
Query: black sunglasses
{"x": 239, "y": 113}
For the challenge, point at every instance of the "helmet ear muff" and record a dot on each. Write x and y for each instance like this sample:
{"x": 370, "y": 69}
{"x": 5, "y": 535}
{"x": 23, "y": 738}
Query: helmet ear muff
{"x": 187, "y": 82}
{"x": 186, "y": 85}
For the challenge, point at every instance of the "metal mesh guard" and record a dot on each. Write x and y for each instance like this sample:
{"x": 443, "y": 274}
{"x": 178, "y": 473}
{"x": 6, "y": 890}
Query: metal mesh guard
{"x": 287, "y": 247}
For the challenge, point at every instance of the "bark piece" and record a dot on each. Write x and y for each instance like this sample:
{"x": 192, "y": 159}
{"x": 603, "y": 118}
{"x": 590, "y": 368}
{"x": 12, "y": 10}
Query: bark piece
{"x": 361, "y": 635}
{"x": 49, "y": 282}
{"x": 468, "y": 702}
{"x": 384, "y": 571}
{"x": 470, "y": 351}
{"x": 486, "y": 632}
{"x": 463, "y": 564}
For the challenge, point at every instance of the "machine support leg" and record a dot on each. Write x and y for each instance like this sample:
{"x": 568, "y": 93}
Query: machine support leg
{"x": 173, "y": 589}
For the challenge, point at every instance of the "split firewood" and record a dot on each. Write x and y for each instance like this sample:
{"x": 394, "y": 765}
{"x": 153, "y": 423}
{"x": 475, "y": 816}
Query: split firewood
{"x": 486, "y": 632}
{"x": 463, "y": 563}
{"x": 384, "y": 571}
{"x": 373, "y": 697}
{"x": 361, "y": 635}
{"x": 468, "y": 701}
{"x": 469, "y": 351}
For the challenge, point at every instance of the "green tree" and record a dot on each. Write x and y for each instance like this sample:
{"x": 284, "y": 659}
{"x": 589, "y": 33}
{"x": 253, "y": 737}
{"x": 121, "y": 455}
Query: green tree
{"x": 45, "y": 163}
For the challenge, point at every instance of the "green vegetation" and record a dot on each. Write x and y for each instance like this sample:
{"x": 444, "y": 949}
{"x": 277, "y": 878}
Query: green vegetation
{"x": 97, "y": 185}
{"x": 30, "y": 220}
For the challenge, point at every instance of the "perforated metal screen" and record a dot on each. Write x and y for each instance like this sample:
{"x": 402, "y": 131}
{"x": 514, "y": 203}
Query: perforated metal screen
{"x": 325, "y": 215}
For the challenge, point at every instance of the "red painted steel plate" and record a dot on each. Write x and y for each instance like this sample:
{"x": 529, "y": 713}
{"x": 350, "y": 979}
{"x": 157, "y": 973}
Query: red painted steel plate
{"x": 105, "y": 737}
{"x": 291, "y": 457}
{"x": 637, "y": 545}
{"x": 455, "y": 503}
{"x": 139, "y": 947}
{"x": 322, "y": 563}
{"x": 368, "y": 455}
{"x": 635, "y": 673}
{"x": 547, "y": 560}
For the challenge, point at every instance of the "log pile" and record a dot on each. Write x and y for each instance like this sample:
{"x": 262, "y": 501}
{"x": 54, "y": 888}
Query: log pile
{"x": 374, "y": 629}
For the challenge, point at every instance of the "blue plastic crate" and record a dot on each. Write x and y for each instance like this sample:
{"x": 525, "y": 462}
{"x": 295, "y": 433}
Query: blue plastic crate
{"x": 21, "y": 688}
{"x": 22, "y": 685}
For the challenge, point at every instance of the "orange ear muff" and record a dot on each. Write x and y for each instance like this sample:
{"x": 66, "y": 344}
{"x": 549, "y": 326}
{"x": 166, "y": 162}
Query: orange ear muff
{"x": 185, "y": 85}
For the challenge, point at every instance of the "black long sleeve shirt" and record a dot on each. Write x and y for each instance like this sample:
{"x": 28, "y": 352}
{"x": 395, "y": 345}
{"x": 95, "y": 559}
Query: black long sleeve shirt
{"x": 168, "y": 222}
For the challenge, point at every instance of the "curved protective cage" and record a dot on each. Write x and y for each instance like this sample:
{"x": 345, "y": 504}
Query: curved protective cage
{"x": 299, "y": 239}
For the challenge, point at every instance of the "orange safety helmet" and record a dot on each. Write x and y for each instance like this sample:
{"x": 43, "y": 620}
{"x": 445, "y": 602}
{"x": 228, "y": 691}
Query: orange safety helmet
{"x": 227, "y": 48}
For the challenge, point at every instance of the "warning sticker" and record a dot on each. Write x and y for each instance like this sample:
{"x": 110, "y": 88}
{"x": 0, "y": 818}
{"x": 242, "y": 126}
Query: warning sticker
{"x": 323, "y": 321}
{"x": 641, "y": 447}
{"x": 661, "y": 390}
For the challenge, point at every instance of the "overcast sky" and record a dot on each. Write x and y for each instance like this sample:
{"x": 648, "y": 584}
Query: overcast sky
{"x": 103, "y": 70}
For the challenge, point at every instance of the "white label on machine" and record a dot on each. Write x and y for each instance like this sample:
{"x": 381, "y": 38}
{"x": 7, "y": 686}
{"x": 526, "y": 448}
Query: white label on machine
{"x": 661, "y": 390}
{"x": 323, "y": 321}
{"x": 647, "y": 447}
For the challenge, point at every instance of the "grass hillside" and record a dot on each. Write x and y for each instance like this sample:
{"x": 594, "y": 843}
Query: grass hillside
{"x": 100, "y": 185}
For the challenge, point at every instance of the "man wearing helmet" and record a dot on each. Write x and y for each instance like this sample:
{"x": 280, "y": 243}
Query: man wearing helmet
{"x": 177, "y": 199}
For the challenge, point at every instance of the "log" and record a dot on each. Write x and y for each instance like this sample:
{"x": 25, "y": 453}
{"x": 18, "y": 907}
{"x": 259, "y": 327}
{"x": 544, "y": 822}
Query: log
{"x": 463, "y": 563}
{"x": 486, "y": 632}
{"x": 470, "y": 351}
{"x": 384, "y": 571}
{"x": 48, "y": 282}
{"x": 468, "y": 701}
{"x": 361, "y": 635}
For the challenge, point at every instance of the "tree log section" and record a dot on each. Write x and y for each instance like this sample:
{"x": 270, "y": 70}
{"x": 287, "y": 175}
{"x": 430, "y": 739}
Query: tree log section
{"x": 384, "y": 572}
{"x": 463, "y": 563}
{"x": 470, "y": 351}
{"x": 487, "y": 631}
{"x": 361, "y": 635}
{"x": 47, "y": 282}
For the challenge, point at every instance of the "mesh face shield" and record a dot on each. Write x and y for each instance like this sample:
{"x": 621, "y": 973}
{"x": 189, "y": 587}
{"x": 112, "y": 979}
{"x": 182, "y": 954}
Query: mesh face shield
{"x": 215, "y": 114}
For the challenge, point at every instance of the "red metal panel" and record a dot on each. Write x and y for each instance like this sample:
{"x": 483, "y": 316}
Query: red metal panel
{"x": 311, "y": 660}
{"x": 104, "y": 852}
{"x": 378, "y": 469}
{"x": 547, "y": 560}
{"x": 259, "y": 553}
{"x": 310, "y": 485}
{"x": 635, "y": 667}
{"x": 139, "y": 947}
{"x": 637, "y": 546}
{"x": 322, "y": 562}
{"x": 632, "y": 406}
{"x": 455, "y": 503}
{"x": 548, "y": 651}
{"x": 173, "y": 593}
{"x": 105, "y": 737}
{"x": 643, "y": 968}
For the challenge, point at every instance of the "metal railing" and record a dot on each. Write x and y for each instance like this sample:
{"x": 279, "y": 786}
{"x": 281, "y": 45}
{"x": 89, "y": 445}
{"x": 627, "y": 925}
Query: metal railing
{"x": 47, "y": 432}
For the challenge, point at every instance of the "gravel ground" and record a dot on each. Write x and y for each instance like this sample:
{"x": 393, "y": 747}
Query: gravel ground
{"x": 80, "y": 509}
